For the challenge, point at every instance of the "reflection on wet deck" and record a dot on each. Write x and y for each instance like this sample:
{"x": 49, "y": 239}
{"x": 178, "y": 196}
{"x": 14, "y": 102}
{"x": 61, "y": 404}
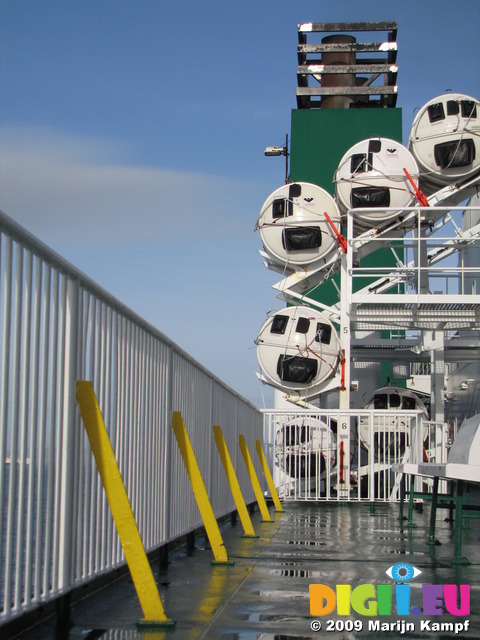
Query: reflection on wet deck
{"x": 265, "y": 595}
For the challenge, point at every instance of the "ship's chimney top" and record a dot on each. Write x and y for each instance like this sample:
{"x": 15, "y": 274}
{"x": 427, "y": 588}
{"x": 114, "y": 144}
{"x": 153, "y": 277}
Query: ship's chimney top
{"x": 338, "y": 72}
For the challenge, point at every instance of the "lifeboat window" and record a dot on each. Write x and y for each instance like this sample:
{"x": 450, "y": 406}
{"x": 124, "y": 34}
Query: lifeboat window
{"x": 295, "y": 434}
{"x": 358, "y": 163}
{"x": 380, "y": 401}
{"x": 296, "y": 369}
{"x": 436, "y": 112}
{"x": 469, "y": 109}
{"x": 408, "y": 403}
{"x": 279, "y": 209}
{"x": 279, "y": 324}
{"x": 295, "y": 191}
{"x": 394, "y": 401}
{"x": 303, "y": 325}
{"x": 370, "y": 197}
{"x": 459, "y": 153}
{"x": 324, "y": 333}
{"x": 452, "y": 108}
{"x": 301, "y": 238}
{"x": 374, "y": 146}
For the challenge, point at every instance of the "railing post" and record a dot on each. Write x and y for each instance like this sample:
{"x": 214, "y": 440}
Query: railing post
{"x": 127, "y": 529}
{"x": 68, "y": 501}
{"x": 268, "y": 477}
{"x": 343, "y": 434}
{"x": 199, "y": 490}
{"x": 249, "y": 531}
{"x": 168, "y": 446}
{"x": 254, "y": 479}
{"x": 371, "y": 457}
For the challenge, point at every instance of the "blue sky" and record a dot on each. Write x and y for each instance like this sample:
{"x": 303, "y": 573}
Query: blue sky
{"x": 132, "y": 136}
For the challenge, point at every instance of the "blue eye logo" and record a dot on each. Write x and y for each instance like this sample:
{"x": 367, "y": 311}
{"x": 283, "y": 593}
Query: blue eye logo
{"x": 402, "y": 572}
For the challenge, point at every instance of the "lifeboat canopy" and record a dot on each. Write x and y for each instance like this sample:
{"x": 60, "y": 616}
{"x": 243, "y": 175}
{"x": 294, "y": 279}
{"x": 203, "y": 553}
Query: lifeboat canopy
{"x": 390, "y": 432}
{"x": 371, "y": 175}
{"x": 445, "y": 141}
{"x": 298, "y": 350}
{"x": 294, "y": 229}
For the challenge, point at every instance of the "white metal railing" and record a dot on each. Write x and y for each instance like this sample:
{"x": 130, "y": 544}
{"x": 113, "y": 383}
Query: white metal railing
{"x": 437, "y": 442}
{"x": 56, "y": 327}
{"x": 433, "y": 258}
{"x": 341, "y": 455}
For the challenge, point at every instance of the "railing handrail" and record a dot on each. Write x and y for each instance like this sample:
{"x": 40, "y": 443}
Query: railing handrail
{"x": 29, "y": 241}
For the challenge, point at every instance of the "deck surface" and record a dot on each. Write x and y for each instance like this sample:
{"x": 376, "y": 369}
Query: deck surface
{"x": 265, "y": 594}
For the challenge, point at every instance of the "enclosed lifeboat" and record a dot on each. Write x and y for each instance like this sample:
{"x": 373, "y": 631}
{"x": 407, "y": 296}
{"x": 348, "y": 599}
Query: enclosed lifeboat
{"x": 304, "y": 447}
{"x": 293, "y": 226}
{"x": 445, "y": 141}
{"x": 391, "y": 432}
{"x": 372, "y": 175}
{"x": 298, "y": 350}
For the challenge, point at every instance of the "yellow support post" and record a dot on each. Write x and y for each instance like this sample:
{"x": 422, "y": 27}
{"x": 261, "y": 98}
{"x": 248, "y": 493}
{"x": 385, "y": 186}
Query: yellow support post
{"x": 249, "y": 531}
{"x": 254, "y": 480}
{"x": 200, "y": 493}
{"x": 268, "y": 477}
{"x": 122, "y": 513}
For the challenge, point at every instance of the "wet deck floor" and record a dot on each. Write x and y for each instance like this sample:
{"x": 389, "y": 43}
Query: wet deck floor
{"x": 265, "y": 594}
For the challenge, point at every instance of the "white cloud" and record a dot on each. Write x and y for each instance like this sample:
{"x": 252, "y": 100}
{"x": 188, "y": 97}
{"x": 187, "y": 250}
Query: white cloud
{"x": 72, "y": 190}
{"x": 178, "y": 248}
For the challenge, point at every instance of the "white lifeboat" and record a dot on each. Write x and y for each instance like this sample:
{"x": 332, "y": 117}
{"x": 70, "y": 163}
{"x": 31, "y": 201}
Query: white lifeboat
{"x": 298, "y": 350}
{"x": 391, "y": 432}
{"x": 371, "y": 175}
{"x": 305, "y": 446}
{"x": 293, "y": 226}
{"x": 445, "y": 141}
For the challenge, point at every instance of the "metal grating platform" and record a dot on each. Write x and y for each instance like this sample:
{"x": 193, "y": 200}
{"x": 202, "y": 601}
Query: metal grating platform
{"x": 405, "y": 315}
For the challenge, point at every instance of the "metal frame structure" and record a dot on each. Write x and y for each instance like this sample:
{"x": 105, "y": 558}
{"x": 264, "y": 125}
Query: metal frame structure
{"x": 429, "y": 304}
{"x": 427, "y": 295}
{"x": 317, "y": 455}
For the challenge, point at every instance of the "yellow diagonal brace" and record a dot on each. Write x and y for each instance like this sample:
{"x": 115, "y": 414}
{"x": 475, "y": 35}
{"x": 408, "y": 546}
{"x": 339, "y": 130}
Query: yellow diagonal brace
{"x": 123, "y": 517}
{"x": 198, "y": 486}
{"x": 248, "y": 529}
{"x": 254, "y": 480}
{"x": 268, "y": 477}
